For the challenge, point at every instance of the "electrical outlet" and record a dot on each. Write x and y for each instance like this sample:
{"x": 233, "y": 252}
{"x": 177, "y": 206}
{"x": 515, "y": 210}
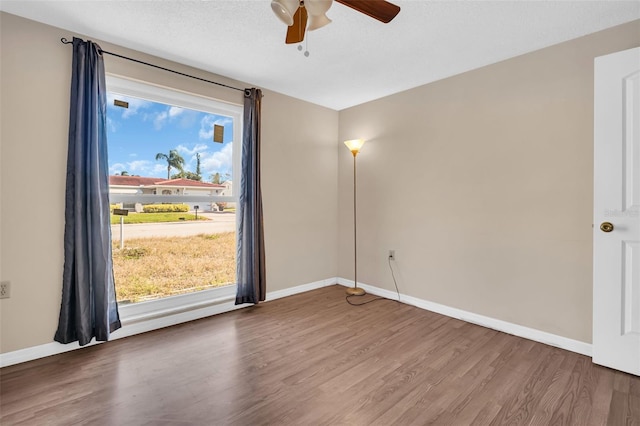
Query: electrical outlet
{"x": 5, "y": 289}
{"x": 392, "y": 255}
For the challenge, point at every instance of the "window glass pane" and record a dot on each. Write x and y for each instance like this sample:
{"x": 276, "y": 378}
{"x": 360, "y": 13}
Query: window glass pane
{"x": 171, "y": 164}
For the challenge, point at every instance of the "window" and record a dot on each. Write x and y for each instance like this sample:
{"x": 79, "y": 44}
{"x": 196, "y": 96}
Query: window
{"x": 177, "y": 242}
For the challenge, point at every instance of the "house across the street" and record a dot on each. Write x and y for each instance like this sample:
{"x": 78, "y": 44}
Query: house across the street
{"x": 132, "y": 185}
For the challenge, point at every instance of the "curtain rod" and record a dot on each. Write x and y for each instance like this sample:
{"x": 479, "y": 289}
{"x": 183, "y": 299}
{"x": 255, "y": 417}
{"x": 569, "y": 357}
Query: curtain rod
{"x": 65, "y": 41}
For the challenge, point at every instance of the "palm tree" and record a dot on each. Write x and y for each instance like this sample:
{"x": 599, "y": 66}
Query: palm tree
{"x": 174, "y": 160}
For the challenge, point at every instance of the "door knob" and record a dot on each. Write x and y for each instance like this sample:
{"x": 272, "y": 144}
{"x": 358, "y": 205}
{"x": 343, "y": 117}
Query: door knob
{"x": 606, "y": 226}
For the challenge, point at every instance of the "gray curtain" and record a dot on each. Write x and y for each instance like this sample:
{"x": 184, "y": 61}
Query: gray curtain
{"x": 250, "y": 256}
{"x": 89, "y": 307}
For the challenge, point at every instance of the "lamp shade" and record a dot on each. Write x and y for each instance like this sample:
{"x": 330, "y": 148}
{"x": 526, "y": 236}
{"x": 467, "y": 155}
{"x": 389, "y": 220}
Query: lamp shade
{"x": 285, "y": 9}
{"x": 354, "y": 145}
{"x": 317, "y": 10}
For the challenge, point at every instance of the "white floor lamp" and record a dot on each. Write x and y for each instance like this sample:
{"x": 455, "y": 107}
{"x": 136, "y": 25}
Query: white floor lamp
{"x": 354, "y": 146}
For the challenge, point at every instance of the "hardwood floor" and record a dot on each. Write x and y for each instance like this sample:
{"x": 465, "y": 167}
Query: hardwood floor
{"x": 312, "y": 359}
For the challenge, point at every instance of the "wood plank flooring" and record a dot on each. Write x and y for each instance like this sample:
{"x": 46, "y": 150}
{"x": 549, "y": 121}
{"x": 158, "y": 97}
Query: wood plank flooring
{"x": 312, "y": 359}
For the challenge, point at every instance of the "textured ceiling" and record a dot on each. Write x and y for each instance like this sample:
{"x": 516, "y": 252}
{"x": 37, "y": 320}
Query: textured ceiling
{"x": 353, "y": 60}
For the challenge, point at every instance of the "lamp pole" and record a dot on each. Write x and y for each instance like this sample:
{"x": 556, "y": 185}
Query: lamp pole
{"x": 354, "y": 146}
{"x": 355, "y": 225}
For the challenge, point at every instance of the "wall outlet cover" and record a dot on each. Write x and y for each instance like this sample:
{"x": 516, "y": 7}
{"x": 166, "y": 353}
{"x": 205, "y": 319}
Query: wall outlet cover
{"x": 5, "y": 289}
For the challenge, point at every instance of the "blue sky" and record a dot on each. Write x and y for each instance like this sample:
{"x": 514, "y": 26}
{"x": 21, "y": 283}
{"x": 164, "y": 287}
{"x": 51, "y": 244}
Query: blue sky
{"x": 136, "y": 134}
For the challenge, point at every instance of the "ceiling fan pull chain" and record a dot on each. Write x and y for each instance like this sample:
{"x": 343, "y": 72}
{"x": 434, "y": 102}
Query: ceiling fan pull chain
{"x": 306, "y": 40}
{"x": 306, "y": 51}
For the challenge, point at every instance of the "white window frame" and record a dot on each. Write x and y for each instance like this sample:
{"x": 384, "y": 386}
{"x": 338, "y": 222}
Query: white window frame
{"x": 179, "y": 304}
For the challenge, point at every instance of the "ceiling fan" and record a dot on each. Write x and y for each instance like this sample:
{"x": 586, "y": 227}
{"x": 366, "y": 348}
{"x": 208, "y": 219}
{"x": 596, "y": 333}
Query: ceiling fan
{"x": 298, "y": 13}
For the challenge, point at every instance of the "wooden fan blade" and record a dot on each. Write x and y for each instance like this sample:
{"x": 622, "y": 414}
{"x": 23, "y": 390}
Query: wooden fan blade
{"x": 295, "y": 33}
{"x": 378, "y": 9}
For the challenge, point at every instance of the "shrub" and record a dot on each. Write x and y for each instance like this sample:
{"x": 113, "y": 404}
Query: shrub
{"x": 165, "y": 208}
{"x": 134, "y": 252}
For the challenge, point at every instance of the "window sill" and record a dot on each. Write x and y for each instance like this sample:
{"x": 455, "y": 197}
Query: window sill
{"x": 154, "y": 309}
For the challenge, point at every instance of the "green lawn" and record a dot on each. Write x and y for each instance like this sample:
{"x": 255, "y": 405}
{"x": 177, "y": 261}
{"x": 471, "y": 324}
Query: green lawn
{"x": 155, "y": 217}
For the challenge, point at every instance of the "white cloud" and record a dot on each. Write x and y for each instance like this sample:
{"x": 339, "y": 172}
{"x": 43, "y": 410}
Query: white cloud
{"x": 111, "y": 125}
{"x": 160, "y": 119}
{"x": 135, "y": 104}
{"x": 210, "y": 162}
{"x": 138, "y": 166}
{"x": 207, "y": 123}
{"x": 117, "y": 168}
{"x": 159, "y": 168}
{"x": 220, "y": 161}
{"x": 175, "y": 111}
{"x": 189, "y": 152}
{"x": 187, "y": 118}
{"x": 171, "y": 113}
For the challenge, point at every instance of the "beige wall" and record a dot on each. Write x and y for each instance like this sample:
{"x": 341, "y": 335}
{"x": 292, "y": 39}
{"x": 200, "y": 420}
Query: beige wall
{"x": 299, "y": 175}
{"x": 482, "y": 183}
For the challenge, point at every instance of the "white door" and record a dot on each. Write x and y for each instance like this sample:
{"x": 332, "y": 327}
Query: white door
{"x": 616, "y": 231}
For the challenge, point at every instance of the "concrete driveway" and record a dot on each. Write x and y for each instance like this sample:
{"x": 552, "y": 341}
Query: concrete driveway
{"x": 219, "y": 222}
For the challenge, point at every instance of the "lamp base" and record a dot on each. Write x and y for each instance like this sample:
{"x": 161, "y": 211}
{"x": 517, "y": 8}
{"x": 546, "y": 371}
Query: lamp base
{"x": 355, "y": 291}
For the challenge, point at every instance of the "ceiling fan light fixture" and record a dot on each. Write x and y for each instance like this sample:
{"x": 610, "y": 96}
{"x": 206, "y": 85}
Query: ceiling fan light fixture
{"x": 317, "y": 21}
{"x": 313, "y": 13}
{"x": 317, "y": 10}
{"x": 285, "y": 9}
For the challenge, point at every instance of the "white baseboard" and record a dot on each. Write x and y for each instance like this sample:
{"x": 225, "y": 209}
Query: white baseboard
{"x": 495, "y": 324}
{"x": 273, "y": 295}
{"x": 141, "y": 324}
